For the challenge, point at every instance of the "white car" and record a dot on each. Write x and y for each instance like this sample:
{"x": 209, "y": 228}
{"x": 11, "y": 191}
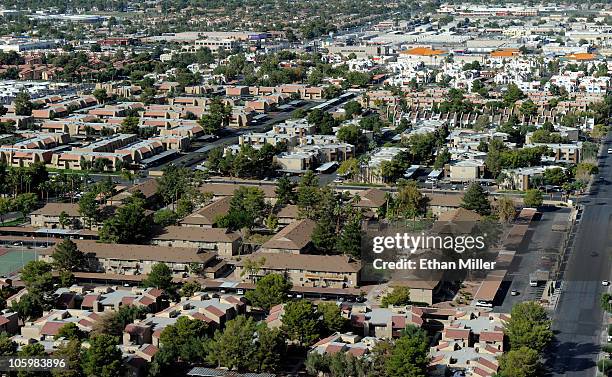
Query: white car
{"x": 605, "y": 283}
{"x": 338, "y": 180}
{"x": 484, "y": 304}
{"x": 610, "y": 151}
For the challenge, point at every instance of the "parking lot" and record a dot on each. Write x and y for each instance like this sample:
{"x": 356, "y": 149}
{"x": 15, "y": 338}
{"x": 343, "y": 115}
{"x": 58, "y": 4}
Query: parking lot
{"x": 540, "y": 248}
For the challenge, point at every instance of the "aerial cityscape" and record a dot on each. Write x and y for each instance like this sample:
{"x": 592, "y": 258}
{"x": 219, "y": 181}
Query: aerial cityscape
{"x": 341, "y": 188}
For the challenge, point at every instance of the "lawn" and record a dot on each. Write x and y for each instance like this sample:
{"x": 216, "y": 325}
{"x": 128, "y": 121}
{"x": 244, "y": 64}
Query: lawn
{"x": 15, "y": 222}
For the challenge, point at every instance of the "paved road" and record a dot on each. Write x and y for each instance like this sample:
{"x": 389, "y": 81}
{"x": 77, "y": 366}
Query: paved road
{"x": 578, "y": 318}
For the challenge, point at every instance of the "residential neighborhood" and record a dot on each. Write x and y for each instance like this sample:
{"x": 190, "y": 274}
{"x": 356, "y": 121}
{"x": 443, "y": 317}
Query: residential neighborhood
{"x": 270, "y": 188}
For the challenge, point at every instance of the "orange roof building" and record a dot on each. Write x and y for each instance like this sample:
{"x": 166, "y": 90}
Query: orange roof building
{"x": 580, "y": 56}
{"x": 506, "y": 53}
{"x": 423, "y": 51}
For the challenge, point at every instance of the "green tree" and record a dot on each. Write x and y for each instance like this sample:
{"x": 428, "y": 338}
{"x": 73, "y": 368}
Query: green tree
{"x": 30, "y": 351}
{"x": 520, "y": 362}
{"x": 476, "y": 199}
{"x": 25, "y": 203}
{"x": 421, "y": 146}
{"x": 300, "y": 322}
{"x": 409, "y": 357}
{"x": 513, "y": 93}
{"x": 130, "y": 224}
{"x": 37, "y": 277}
{"x": 64, "y": 219}
{"x": 533, "y": 198}
{"x": 173, "y": 184}
{"x": 160, "y": 277}
{"x": 324, "y": 235}
{"x": 351, "y": 134}
{"x": 70, "y": 331}
{"x": 165, "y": 217}
{"x": 71, "y": 353}
{"x": 130, "y": 125}
{"x": 190, "y": 288}
{"x": 30, "y": 306}
{"x": 88, "y": 207}
{"x": 270, "y": 290}
{"x": 493, "y": 162}
{"x": 103, "y": 358}
{"x": 352, "y": 108}
{"x": 331, "y": 318}
{"x": 101, "y": 95}
{"x": 270, "y": 349}
{"x": 555, "y": 176}
{"x": 234, "y": 347}
{"x": 528, "y": 108}
{"x": 349, "y": 240}
{"x": 349, "y": 168}
{"x": 68, "y": 257}
{"x": 442, "y": 159}
{"x": 184, "y": 340}
{"x": 397, "y": 297}
{"x": 23, "y": 104}
{"x": 285, "y": 191}
{"x": 505, "y": 209}
{"x": 410, "y": 202}
{"x": 6, "y": 205}
{"x": 606, "y": 302}
{"x": 308, "y": 195}
{"x": 113, "y": 323}
{"x": 7, "y": 346}
{"x": 529, "y": 326}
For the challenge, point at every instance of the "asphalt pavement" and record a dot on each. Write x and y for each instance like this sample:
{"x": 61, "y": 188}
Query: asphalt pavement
{"x": 578, "y": 318}
{"x": 542, "y": 245}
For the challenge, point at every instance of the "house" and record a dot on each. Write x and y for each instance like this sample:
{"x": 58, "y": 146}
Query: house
{"x": 466, "y": 170}
{"x": 220, "y": 240}
{"x": 471, "y": 341}
{"x": 49, "y": 325}
{"x": 354, "y": 344}
{"x": 9, "y": 322}
{"x": 295, "y": 238}
{"x": 325, "y": 271}
{"x": 215, "y": 311}
{"x": 456, "y": 221}
{"x": 372, "y": 199}
{"x": 49, "y": 215}
{"x": 124, "y": 259}
{"x": 439, "y": 203}
{"x": 148, "y": 189}
{"x": 219, "y": 190}
{"x": 287, "y": 214}
{"x": 384, "y": 322}
{"x": 206, "y": 216}
{"x": 422, "y": 290}
{"x": 107, "y": 298}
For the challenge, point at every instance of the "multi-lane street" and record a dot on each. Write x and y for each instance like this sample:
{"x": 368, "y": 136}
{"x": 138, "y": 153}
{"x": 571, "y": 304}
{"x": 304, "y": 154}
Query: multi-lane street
{"x": 578, "y": 319}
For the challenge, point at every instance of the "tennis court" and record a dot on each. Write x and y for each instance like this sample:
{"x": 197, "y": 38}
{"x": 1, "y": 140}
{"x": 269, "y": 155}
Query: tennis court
{"x": 11, "y": 260}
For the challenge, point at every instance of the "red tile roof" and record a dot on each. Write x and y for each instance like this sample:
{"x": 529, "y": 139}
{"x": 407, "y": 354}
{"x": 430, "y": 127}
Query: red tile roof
{"x": 51, "y": 328}
{"x": 491, "y": 336}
